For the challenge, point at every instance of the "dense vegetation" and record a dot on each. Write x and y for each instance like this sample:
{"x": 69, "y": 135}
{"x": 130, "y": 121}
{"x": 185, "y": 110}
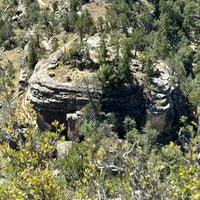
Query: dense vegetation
{"x": 102, "y": 166}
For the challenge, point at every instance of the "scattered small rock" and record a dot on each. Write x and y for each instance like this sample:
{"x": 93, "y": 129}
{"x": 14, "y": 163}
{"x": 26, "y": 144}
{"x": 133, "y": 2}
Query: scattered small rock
{"x": 51, "y": 74}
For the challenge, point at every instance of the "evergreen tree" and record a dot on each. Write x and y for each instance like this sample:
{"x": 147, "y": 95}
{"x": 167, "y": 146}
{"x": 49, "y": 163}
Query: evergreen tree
{"x": 6, "y": 32}
{"x": 178, "y": 72}
{"x": 196, "y": 68}
{"x": 102, "y": 51}
{"x": 189, "y": 23}
{"x": 124, "y": 70}
{"x": 160, "y": 47}
{"x": 80, "y": 25}
{"x": 115, "y": 44}
{"x": 194, "y": 95}
{"x": 32, "y": 55}
{"x": 107, "y": 76}
{"x": 75, "y": 5}
{"x": 84, "y": 23}
{"x": 119, "y": 16}
{"x": 146, "y": 21}
{"x": 100, "y": 22}
{"x": 185, "y": 54}
{"x": 147, "y": 68}
{"x": 138, "y": 40}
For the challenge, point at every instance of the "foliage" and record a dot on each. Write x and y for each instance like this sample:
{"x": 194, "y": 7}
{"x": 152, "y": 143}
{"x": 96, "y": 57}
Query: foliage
{"x": 84, "y": 24}
{"x": 69, "y": 21}
{"x": 124, "y": 71}
{"x": 147, "y": 67}
{"x": 134, "y": 168}
{"x": 102, "y": 166}
{"x": 48, "y": 22}
{"x": 74, "y": 51}
{"x": 6, "y": 34}
{"x": 32, "y": 17}
{"x": 117, "y": 71}
{"x": 138, "y": 40}
{"x": 75, "y": 54}
{"x": 107, "y": 76}
{"x": 27, "y": 166}
{"x": 7, "y": 77}
{"x": 119, "y": 16}
{"x": 194, "y": 94}
{"x": 32, "y": 55}
{"x": 102, "y": 51}
{"x": 75, "y": 4}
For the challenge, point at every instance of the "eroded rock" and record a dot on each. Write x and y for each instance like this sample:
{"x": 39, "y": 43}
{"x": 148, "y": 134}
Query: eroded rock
{"x": 162, "y": 105}
{"x": 62, "y": 148}
{"x": 73, "y": 120}
{"x": 54, "y": 98}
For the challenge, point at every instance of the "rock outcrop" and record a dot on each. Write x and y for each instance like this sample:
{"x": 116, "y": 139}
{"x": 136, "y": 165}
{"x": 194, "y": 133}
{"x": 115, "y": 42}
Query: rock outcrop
{"x": 56, "y": 93}
{"x": 62, "y": 148}
{"x": 73, "y": 120}
{"x": 53, "y": 98}
{"x": 19, "y": 13}
{"x": 162, "y": 107}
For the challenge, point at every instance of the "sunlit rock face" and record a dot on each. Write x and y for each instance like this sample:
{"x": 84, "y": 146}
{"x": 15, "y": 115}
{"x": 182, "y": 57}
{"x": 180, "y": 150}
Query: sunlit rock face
{"x": 52, "y": 97}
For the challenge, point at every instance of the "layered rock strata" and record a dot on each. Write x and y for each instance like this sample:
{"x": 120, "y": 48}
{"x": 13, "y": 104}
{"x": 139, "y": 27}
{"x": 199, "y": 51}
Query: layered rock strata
{"x": 162, "y": 107}
{"x": 54, "y": 98}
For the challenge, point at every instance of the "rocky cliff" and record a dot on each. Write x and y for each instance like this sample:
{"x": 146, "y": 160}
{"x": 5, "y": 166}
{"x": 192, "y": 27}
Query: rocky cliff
{"x": 160, "y": 108}
{"x": 166, "y": 104}
{"x": 54, "y": 97}
{"x": 56, "y": 90}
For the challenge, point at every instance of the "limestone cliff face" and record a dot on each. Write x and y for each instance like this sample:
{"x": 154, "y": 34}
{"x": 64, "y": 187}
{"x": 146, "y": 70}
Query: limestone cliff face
{"x": 163, "y": 105}
{"x": 49, "y": 94}
{"x": 54, "y": 98}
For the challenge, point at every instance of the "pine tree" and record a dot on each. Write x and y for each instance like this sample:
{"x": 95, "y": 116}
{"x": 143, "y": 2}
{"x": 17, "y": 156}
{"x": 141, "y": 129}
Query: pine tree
{"x": 138, "y": 40}
{"x": 80, "y": 24}
{"x": 148, "y": 68}
{"x": 100, "y": 23}
{"x": 32, "y": 55}
{"x": 102, "y": 51}
{"x": 124, "y": 70}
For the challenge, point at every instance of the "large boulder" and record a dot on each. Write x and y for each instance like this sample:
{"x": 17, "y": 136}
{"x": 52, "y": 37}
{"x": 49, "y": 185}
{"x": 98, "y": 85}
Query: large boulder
{"x": 62, "y": 148}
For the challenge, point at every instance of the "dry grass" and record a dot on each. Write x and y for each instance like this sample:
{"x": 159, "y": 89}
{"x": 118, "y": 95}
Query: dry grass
{"x": 71, "y": 74}
{"x": 97, "y": 9}
{"x": 13, "y": 56}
